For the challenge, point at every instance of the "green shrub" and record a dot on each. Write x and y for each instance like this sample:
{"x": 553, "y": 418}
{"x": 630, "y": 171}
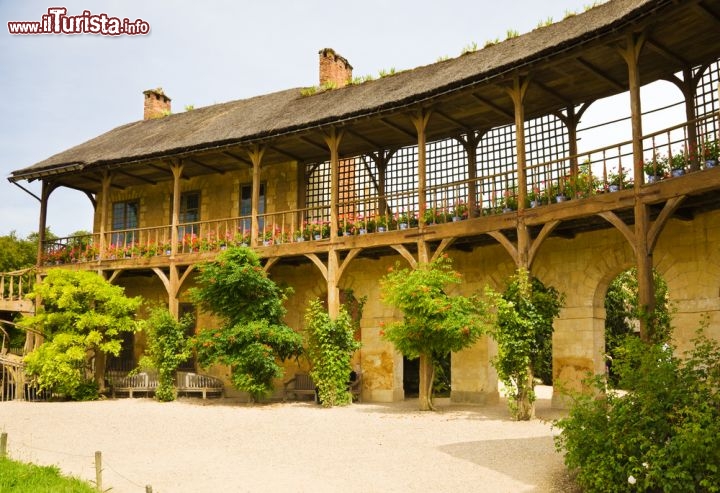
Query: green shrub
{"x": 167, "y": 348}
{"x": 329, "y": 346}
{"x": 663, "y": 434}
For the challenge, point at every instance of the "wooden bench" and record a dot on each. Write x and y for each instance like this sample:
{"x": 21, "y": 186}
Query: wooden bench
{"x": 144, "y": 382}
{"x": 300, "y": 384}
{"x": 192, "y": 383}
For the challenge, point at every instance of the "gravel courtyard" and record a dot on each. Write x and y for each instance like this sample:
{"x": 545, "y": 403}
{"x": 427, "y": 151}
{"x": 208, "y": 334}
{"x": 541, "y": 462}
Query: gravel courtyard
{"x": 226, "y": 446}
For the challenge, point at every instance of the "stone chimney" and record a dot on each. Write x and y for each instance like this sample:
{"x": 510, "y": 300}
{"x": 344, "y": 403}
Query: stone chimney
{"x": 157, "y": 104}
{"x": 334, "y": 69}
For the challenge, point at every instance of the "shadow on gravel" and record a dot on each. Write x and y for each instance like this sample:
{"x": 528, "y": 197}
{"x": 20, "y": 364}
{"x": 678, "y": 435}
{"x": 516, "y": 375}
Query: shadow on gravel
{"x": 523, "y": 459}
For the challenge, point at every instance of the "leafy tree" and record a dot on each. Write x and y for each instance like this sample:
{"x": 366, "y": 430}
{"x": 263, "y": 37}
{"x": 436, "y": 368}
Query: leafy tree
{"x": 17, "y": 253}
{"x": 663, "y": 435}
{"x": 83, "y": 317}
{"x": 523, "y": 331}
{"x": 252, "y": 337}
{"x": 623, "y": 314}
{"x": 168, "y": 347}
{"x": 330, "y": 345}
{"x": 434, "y": 323}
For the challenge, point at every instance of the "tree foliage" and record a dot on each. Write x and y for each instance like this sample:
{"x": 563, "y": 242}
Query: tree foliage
{"x": 623, "y": 314}
{"x": 82, "y": 317}
{"x": 434, "y": 323}
{"x": 252, "y": 336}
{"x": 167, "y": 348}
{"x": 661, "y": 435}
{"x": 329, "y": 346}
{"x": 523, "y": 331}
{"x": 17, "y": 253}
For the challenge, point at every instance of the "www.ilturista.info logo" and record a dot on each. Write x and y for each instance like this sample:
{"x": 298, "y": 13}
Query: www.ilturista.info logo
{"x": 56, "y": 21}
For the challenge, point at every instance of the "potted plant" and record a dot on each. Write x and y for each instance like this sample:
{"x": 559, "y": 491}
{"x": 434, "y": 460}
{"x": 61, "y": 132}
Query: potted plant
{"x": 509, "y": 201}
{"x": 678, "y": 161}
{"x": 656, "y": 168}
{"x": 618, "y": 180}
{"x": 403, "y": 220}
{"x": 535, "y": 196}
{"x": 460, "y": 211}
{"x": 381, "y": 224}
{"x": 710, "y": 151}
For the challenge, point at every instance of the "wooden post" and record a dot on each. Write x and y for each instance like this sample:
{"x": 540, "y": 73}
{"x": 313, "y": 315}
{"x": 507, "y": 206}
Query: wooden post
{"x": 3, "y": 445}
{"x": 333, "y": 142}
{"x": 104, "y": 203}
{"x": 332, "y": 284}
{"x": 644, "y": 263}
{"x": 98, "y": 471}
{"x": 256, "y": 155}
{"x": 517, "y": 93}
{"x": 470, "y": 144}
{"x": 176, "y": 169}
{"x": 420, "y": 121}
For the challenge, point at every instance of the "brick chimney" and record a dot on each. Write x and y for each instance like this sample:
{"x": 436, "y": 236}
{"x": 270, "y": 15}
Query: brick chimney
{"x": 334, "y": 69}
{"x": 157, "y": 104}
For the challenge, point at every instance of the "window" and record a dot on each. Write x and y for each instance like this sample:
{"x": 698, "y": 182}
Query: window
{"x": 246, "y": 206}
{"x": 124, "y": 217}
{"x": 189, "y": 213}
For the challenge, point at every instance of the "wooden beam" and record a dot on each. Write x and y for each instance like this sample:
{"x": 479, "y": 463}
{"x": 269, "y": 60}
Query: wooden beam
{"x": 206, "y": 166}
{"x": 313, "y": 143}
{"x": 398, "y": 128}
{"x": 589, "y": 67}
{"x": 665, "y": 52}
{"x": 505, "y": 242}
{"x": 346, "y": 261}
{"x": 552, "y": 93}
{"x": 541, "y": 237}
{"x": 135, "y": 177}
{"x": 444, "y": 245}
{"x": 452, "y": 120}
{"x": 613, "y": 219}
{"x": 319, "y": 264}
{"x": 665, "y": 214}
{"x": 283, "y": 153}
{"x": 270, "y": 262}
{"x": 406, "y": 255}
{"x": 358, "y": 136}
{"x": 490, "y": 104}
{"x": 236, "y": 157}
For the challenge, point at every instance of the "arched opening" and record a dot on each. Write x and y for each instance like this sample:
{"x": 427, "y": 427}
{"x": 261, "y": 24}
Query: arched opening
{"x": 441, "y": 382}
{"x": 622, "y": 315}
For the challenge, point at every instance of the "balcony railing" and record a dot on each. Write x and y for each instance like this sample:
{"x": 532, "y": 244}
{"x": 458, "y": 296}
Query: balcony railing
{"x": 666, "y": 153}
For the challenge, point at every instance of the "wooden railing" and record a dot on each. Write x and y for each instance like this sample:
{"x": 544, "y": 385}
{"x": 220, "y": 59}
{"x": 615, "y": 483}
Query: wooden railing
{"x": 586, "y": 174}
{"x": 15, "y": 285}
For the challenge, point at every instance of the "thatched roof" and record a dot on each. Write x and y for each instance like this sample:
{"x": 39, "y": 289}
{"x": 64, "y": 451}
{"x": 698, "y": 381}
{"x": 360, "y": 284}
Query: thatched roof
{"x": 286, "y": 112}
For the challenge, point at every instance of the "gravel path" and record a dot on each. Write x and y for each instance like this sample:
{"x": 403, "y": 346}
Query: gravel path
{"x": 226, "y": 446}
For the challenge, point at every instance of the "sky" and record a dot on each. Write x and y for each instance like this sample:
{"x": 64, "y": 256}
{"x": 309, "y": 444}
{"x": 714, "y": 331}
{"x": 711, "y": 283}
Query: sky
{"x": 62, "y": 90}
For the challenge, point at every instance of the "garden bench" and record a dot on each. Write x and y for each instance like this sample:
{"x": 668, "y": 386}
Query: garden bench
{"x": 192, "y": 383}
{"x": 300, "y": 384}
{"x": 144, "y": 382}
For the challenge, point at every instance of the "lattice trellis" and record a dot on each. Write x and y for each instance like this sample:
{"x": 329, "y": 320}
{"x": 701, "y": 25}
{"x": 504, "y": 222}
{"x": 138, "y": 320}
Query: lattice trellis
{"x": 706, "y": 103}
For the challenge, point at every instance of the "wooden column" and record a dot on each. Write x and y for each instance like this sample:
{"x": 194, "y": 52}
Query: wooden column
{"x": 517, "y": 93}
{"x": 45, "y": 192}
{"x": 333, "y": 142}
{"x": 644, "y": 262}
{"x": 333, "y": 272}
{"x": 256, "y": 155}
{"x": 470, "y": 144}
{"x": 420, "y": 121}
{"x": 173, "y": 289}
{"x": 176, "y": 169}
{"x": 104, "y": 204}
